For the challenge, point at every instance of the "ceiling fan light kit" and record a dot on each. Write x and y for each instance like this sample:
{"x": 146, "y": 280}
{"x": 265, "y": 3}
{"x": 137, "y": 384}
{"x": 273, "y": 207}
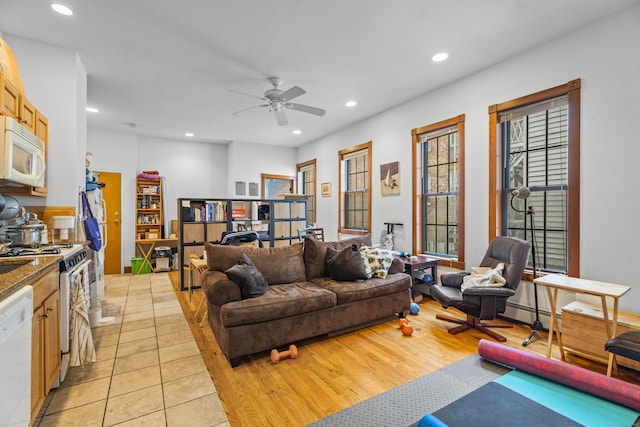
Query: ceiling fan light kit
{"x": 276, "y": 99}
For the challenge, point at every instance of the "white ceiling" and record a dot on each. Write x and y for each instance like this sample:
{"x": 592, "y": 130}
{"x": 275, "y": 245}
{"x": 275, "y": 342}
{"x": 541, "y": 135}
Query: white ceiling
{"x": 169, "y": 66}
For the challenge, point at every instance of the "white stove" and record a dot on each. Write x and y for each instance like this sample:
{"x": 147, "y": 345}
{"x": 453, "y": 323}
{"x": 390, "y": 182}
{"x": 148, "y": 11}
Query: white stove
{"x": 76, "y": 341}
{"x": 75, "y": 289}
{"x": 66, "y": 250}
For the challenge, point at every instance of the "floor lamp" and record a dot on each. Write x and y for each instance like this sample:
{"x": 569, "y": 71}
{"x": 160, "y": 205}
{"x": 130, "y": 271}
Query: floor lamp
{"x": 524, "y": 193}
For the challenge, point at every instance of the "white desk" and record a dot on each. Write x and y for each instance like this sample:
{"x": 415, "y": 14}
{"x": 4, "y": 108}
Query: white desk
{"x": 553, "y": 282}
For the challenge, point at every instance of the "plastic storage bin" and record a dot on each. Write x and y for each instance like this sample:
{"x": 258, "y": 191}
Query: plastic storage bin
{"x": 137, "y": 266}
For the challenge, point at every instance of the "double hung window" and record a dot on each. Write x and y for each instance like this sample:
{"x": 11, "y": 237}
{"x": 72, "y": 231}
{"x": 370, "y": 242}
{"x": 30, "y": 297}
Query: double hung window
{"x": 439, "y": 199}
{"x": 536, "y": 140}
{"x": 355, "y": 189}
{"x": 307, "y": 186}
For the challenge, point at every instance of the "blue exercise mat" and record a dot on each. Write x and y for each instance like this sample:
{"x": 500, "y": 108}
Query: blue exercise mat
{"x": 518, "y": 398}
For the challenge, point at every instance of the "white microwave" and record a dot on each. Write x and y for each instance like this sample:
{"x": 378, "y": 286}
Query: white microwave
{"x": 22, "y": 160}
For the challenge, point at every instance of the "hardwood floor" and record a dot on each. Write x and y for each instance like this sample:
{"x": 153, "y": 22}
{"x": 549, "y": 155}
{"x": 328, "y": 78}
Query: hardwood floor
{"x": 331, "y": 374}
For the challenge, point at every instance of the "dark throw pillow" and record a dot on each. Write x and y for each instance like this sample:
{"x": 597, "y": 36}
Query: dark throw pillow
{"x": 346, "y": 264}
{"x": 248, "y": 277}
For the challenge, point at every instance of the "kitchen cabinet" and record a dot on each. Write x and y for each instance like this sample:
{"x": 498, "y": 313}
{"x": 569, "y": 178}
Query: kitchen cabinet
{"x": 42, "y": 128}
{"x": 45, "y": 338}
{"x": 148, "y": 209}
{"x": 16, "y": 105}
{"x": 10, "y": 97}
{"x": 27, "y": 114}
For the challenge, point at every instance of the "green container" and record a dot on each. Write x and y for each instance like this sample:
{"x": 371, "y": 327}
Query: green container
{"x": 139, "y": 266}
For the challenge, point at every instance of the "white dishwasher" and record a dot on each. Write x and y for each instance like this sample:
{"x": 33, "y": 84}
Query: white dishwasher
{"x": 16, "y": 312}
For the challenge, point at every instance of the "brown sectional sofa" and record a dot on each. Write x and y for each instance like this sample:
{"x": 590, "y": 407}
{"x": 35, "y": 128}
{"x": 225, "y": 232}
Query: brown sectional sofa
{"x": 301, "y": 300}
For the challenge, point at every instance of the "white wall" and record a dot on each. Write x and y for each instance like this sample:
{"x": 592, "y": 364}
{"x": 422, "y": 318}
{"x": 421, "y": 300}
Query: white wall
{"x": 55, "y": 82}
{"x": 602, "y": 55}
{"x": 114, "y": 151}
{"x": 247, "y": 161}
{"x": 193, "y": 170}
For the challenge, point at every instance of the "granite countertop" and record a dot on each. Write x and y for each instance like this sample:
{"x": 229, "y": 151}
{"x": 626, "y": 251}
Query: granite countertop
{"x": 29, "y": 268}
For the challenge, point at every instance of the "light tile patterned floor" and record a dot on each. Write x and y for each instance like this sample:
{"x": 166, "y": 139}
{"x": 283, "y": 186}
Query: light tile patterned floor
{"x": 148, "y": 369}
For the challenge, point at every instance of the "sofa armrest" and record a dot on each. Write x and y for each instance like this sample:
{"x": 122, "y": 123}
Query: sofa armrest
{"x": 219, "y": 289}
{"x": 397, "y": 266}
{"x": 453, "y": 280}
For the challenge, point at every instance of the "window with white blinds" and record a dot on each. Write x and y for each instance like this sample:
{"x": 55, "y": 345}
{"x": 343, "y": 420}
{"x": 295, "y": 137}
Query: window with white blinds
{"x": 535, "y": 146}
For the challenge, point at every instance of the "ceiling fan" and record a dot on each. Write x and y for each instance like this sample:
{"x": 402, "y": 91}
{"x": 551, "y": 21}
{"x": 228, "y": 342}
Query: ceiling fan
{"x": 277, "y": 100}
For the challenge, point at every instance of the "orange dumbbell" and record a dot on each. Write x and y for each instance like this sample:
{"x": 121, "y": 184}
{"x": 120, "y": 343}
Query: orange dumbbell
{"x": 402, "y": 322}
{"x": 407, "y": 330}
{"x": 276, "y": 355}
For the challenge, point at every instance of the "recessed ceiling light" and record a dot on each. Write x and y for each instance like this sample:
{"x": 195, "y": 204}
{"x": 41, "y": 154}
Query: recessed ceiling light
{"x": 297, "y": 132}
{"x": 92, "y": 109}
{"x": 439, "y": 56}
{"x": 61, "y": 9}
{"x": 350, "y": 104}
{"x": 188, "y": 134}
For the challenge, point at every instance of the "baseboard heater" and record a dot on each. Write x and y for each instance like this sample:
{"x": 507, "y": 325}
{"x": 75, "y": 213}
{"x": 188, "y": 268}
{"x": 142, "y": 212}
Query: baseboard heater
{"x": 544, "y": 314}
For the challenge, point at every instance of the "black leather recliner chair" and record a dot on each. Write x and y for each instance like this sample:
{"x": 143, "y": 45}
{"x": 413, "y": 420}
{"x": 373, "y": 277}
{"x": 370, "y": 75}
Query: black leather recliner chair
{"x": 484, "y": 302}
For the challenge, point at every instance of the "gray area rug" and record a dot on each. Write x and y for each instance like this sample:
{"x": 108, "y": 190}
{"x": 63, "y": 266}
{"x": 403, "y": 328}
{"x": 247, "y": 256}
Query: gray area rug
{"x": 405, "y": 405}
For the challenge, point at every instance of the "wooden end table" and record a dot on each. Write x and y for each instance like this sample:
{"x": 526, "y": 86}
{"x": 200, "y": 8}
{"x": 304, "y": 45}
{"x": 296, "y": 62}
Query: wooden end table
{"x": 422, "y": 262}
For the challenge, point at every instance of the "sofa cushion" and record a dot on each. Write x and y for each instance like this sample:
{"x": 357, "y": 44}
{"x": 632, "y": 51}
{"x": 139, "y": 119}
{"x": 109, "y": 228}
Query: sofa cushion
{"x": 248, "y": 277}
{"x": 282, "y": 264}
{"x": 376, "y": 261}
{"x": 278, "y": 302}
{"x": 351, "y": 291}
{"x": 315, "y": 253}
{"x": 346, "y": 264}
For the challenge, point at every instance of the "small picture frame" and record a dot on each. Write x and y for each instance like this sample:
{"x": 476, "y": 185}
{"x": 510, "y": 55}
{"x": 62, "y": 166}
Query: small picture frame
{"x": 325, "y": 189}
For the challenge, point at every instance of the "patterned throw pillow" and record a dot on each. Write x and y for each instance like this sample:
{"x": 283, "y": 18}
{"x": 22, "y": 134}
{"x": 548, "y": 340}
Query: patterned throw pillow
{"x": 376, "y": 261}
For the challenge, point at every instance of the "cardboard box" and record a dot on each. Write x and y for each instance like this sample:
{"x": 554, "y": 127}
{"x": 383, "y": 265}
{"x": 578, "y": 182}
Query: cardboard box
{"x": 584, "y": 333}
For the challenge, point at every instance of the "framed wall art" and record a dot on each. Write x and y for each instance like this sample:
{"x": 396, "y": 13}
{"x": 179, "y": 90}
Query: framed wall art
{"x": 390, "y": 179}
{"x": 325, "y": 189}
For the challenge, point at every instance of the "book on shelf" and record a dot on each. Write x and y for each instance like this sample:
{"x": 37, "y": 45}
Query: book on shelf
{"x": 204, "y": 212}
{"x": 238, "y": 213}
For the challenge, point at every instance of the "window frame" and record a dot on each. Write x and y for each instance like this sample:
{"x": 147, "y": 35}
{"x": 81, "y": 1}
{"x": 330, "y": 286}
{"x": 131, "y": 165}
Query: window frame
{"x": 459, "y": 123}
{"x": 341, "y": 188}
{"x": 300, "y": 188}
{"x": 572, "y": 90}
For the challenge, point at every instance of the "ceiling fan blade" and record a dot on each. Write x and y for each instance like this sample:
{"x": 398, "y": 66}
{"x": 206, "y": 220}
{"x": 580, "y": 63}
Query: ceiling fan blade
{"x": 281, "y": 118}
{"x": 237, "y": 113}
{"x": 248, "y": 94}
{"x": 294, "y": 92}
{"x": 305, "y": 108}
